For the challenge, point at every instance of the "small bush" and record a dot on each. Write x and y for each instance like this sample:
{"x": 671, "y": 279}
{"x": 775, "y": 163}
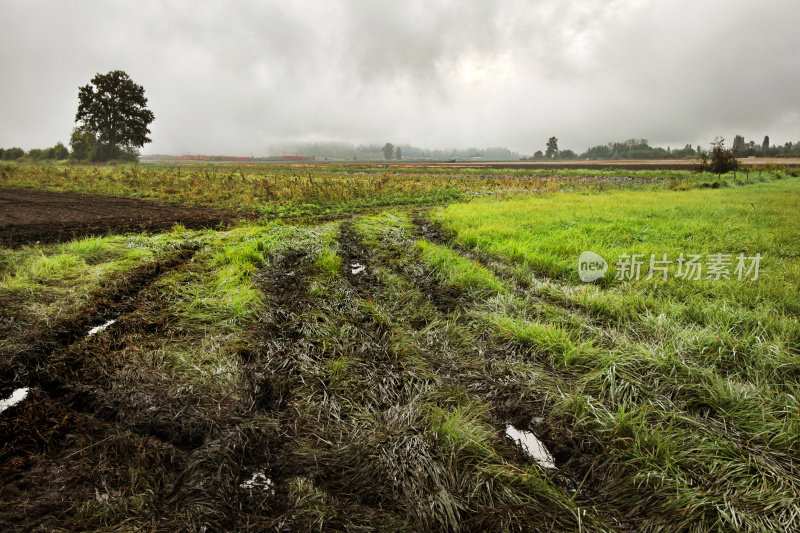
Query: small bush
{"x": 720, "y": 159}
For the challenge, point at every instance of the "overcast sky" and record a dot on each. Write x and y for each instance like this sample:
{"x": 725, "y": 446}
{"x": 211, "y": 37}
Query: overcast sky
{"x": 237, "y": 77}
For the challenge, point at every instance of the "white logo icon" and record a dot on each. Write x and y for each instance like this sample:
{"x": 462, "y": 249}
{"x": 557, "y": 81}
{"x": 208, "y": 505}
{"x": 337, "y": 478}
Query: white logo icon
{"x": 591, "y": 267}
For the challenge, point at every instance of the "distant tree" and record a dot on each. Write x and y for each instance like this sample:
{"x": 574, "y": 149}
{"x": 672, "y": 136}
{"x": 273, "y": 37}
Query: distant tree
{"x": 2, "y": 151}
{"x": 84, "y": 144}
{"x": 388, "y": 148}
{"x": 765, "y": 144}
{"x": 552, "y": 148}
{"x": 398, "y": 154}
{"x": 567, "y": 154}
{"x": 738, "y": 144}
{"x": 722, "y": 159}
{"x": 114, "y": 109}
{"x": 12, "y": 154}
{"x": 538, "y": 155}
{"x": 36, "y": 154}
{"x": 60, "y": 151}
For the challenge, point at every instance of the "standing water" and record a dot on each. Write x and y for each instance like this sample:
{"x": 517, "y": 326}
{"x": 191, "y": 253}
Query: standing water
{"x": 259, "y": 481}
{"x": 98, "y": 329}
{"x": 531, "y": 445}
{"x": 16, "y": 397}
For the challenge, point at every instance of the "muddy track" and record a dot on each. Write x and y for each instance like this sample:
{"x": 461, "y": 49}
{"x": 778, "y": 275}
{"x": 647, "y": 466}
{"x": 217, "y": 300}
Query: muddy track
{"x": 279, "y": 364}
{"x": 113, "y": 298}
{"x": 55, "y": 359}
{"x": 514, "y": 403}
{"x": 68, "y": 423}
{"x": 507, "y": 408}
{"x": 388, "y": 363}
{"x": 254, "y": 441}
{"x": 207, "y": 445}
{"x": 368, "y": 340}
{"x": 247, "y": 438}
{"x": 356, "y": 261}
{"x": 291, "y": 357}
{"x": 57, "y": 458}
{"x": 279, "y": 334}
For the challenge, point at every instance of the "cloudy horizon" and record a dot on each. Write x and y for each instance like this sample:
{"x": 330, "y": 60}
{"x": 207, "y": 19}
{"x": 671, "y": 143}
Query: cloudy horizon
{"x": 240, "y": 77}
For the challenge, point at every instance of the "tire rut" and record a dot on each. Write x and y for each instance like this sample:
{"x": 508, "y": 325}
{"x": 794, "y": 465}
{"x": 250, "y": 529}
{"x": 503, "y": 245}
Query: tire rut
{"x": 513, "y": 403}
{"x": 607, "y": 335}
{"x": 114, "y": 298}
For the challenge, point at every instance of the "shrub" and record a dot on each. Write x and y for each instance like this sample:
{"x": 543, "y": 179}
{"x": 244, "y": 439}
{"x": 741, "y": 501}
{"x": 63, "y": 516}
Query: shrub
{"x": 12, "y": 154}
{"x": 722, "y": 159}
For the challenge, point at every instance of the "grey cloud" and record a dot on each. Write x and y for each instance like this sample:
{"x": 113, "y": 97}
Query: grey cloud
{"x": 236, "y": 77}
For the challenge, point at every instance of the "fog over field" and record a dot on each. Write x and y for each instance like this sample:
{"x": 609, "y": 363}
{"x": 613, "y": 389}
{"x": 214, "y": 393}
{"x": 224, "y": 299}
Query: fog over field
{"x": 238, "y": 77}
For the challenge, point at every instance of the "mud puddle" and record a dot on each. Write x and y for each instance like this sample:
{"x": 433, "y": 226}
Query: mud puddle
{"x": 532, "y": 447}
{"x": 259, "y": 481}
{"x": 17, "y": 396}
{"x": 101, "y": 327}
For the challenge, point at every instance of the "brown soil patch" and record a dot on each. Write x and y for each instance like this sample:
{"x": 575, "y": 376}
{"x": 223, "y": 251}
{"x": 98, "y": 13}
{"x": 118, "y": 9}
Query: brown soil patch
{"x": 29, "y": 216}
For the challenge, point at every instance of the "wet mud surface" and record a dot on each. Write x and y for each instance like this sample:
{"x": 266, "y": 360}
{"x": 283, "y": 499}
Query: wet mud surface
{"x": 280, "y": 443}
{"x": 29, "y": 216}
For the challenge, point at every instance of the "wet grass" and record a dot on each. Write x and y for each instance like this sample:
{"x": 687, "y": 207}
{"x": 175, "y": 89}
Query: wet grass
{"x": 736, "y": 325}
{"x": 702, "y": 408}
{"x": 377, "y": 397}
{"x": 77, "y": 265}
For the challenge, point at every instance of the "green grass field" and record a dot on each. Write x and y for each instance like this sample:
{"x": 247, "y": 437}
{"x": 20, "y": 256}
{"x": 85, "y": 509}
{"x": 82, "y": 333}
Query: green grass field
{"x": 360, "y": 373}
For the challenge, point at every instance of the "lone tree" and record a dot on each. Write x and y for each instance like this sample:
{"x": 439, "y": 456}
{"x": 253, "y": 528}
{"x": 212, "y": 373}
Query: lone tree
{"x": 552, "y": 148}
{"x": 738, "y": 143}
{"x": 720, "y": 160}
{"x": 388, "y": 148}
{"x": 113, "y": 109}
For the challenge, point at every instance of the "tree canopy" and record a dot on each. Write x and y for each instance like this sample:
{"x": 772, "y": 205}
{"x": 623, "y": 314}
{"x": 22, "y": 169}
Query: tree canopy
{"x": 113, "y": 110}
{"x": 552, "y": 148}
{"x": 388, "y": 148}
{"x": 12, "y": 154}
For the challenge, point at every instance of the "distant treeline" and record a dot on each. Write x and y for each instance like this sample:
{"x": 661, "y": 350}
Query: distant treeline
{"x": 630, "y": 149}
{"x": 641, "y": 149}
{"x": 55, "y": 153}
{"x": 85, "y": 149}
{"x": 765, "y": 149}
{"x": 339, "y": 150}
